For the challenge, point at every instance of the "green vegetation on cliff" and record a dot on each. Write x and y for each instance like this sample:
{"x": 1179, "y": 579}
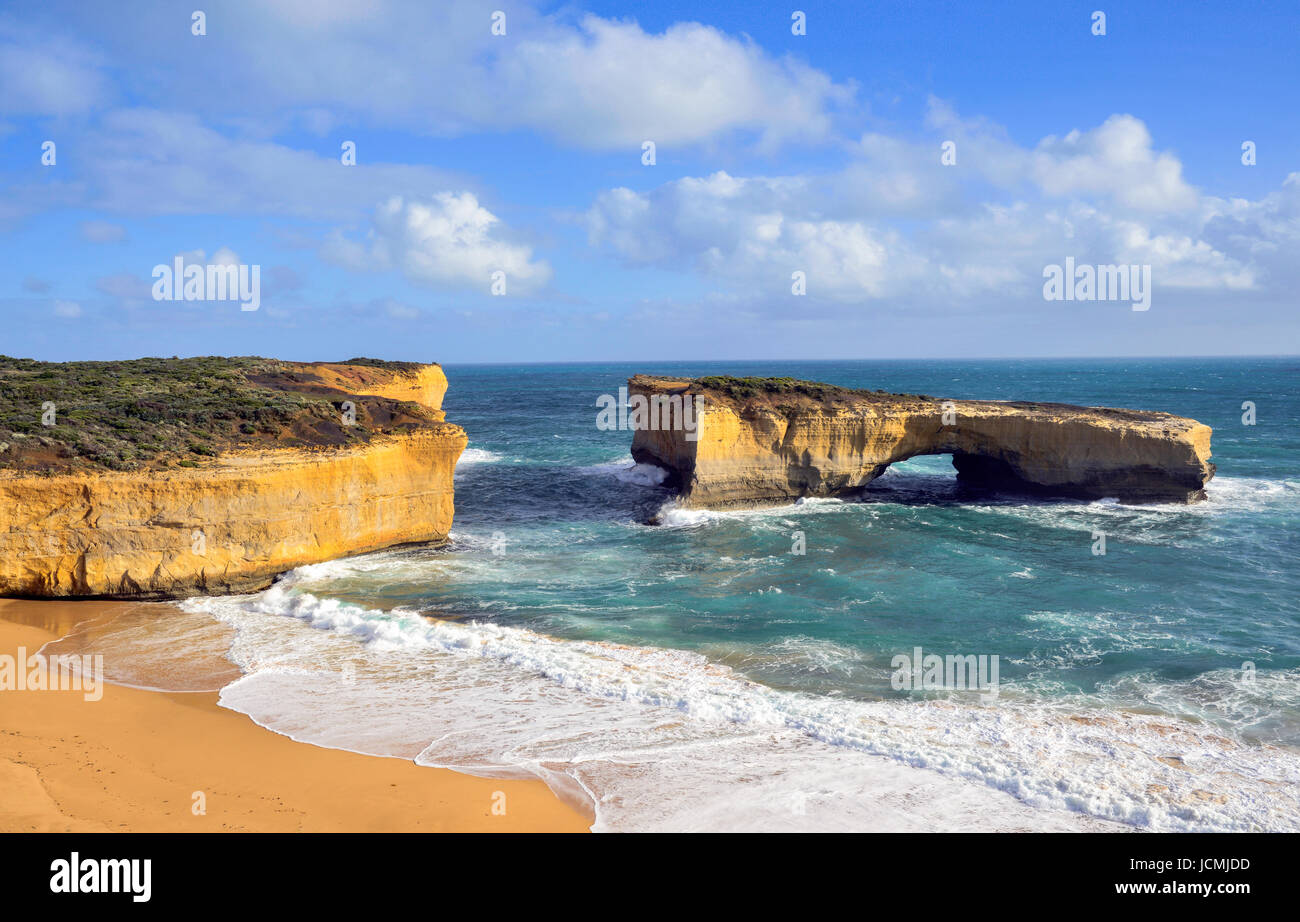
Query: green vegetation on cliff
{"x": 157, "y": 412}
{"x": 740, "y": 389}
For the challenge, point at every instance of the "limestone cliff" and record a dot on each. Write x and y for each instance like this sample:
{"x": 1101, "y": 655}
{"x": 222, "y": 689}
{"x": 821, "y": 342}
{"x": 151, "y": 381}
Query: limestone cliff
{"x": 233, "y": 519}
{"x": 770, "y": 441}
{"x": 400, "y": 381}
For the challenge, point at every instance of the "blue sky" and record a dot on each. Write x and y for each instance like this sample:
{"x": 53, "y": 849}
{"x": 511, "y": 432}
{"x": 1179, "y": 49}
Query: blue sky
{"x": 775, "y": 153}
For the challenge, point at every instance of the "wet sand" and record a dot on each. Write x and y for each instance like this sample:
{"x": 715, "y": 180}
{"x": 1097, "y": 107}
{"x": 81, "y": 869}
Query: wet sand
{"x": 142, "y": 761}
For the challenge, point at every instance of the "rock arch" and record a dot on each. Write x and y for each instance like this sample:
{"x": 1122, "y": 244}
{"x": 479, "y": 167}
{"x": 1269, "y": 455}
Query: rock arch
{"x": 767, "y": 441}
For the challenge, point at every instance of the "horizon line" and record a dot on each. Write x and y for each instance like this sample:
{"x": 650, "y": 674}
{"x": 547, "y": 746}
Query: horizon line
{"x": 494, "y": 363}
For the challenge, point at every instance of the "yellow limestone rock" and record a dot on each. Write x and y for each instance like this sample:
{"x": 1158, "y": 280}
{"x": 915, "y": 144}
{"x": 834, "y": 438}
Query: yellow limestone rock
{"x": 425, "y": 384}
{"x": 754, "y": 445}
{"x": 233, "y": 525}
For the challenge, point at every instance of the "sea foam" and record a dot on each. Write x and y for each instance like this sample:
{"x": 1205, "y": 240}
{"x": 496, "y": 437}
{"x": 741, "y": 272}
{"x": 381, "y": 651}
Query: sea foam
{"x": 477, "y": 456}
{"x": 624, "y": 469}
{"x": 658, "y": 739}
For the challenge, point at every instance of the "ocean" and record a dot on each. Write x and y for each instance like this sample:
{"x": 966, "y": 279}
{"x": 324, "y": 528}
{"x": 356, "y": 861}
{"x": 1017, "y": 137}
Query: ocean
{"x": 700, "y": 674}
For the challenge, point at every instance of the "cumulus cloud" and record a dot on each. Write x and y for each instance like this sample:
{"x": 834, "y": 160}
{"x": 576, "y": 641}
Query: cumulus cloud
{"x": 1114, "y": 159}
{"x": 895, "y": 223}
{"x": 447, "y": 240}
{"x": 612, "y": 84}
{"x": 752, "y": 231}
{"x": 595, "y": 83}
{"x": 1264, "y": 233}
{"x": 224, "y": 256}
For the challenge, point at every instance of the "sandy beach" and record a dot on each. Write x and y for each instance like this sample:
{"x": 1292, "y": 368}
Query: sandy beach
{"x": 135, "y": 761}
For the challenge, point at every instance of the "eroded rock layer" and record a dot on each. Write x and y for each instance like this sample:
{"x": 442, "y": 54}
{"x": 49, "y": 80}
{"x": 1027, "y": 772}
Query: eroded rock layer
{"x": 234, "y": 521}
{"x": 771, "y": 441}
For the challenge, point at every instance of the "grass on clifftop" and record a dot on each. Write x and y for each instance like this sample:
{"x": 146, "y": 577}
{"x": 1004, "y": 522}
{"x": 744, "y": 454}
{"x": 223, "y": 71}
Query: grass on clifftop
{"x": 156, "y": 413}
{"x": 771, "y": 391}
{"x": 740, "y": 389}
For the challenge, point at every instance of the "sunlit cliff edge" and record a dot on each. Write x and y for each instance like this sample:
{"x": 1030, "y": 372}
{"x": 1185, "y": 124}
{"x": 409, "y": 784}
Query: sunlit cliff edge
{"x": 283, "y": 464}
{"x": 763, "y": 441}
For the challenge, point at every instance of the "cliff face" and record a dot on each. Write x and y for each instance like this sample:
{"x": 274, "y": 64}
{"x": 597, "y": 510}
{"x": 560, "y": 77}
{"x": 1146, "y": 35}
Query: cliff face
{"x": 756, "y": 445}
{"x": 234, "y": 522}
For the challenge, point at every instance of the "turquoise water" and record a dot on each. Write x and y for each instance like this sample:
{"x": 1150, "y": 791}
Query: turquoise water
{"x": 554, "y": 576}
{"x": 1181, "y": 593}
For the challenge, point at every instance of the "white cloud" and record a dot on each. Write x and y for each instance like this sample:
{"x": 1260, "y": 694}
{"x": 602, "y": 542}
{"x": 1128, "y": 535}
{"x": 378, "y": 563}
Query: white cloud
{"x": 225, "y": 256}
{"x": 1114, "y": 159}
{"x": 897, "y": 224}
{"x": 67, "y": 309}
{"x": 436, "y": 68}
{"x": 754, "y": 232}
{"x": 611, "y": 84}
{"x": 447, "y": 240}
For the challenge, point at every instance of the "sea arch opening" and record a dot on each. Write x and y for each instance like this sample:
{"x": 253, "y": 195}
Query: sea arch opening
{"x": 925, "y": 476}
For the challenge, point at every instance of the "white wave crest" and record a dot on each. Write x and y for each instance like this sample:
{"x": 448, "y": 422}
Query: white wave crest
{"x": 628, "y": 471}
{"x": 578, "y": 713}
{"x": 477, "y": 456}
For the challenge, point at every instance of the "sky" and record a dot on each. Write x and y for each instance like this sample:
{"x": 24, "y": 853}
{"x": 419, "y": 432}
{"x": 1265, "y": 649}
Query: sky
{"x": 828, "y": 181}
